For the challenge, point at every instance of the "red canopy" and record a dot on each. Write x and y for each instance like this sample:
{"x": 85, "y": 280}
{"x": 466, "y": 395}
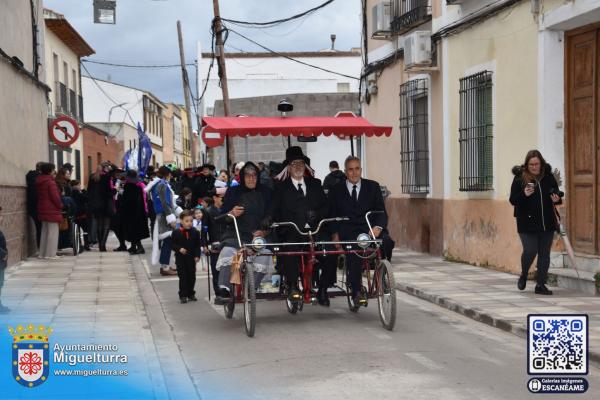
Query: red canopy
{"x": 343, "y": 125}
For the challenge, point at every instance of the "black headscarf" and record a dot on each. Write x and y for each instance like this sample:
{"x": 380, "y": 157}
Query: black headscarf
{"x": 248, "y": 167}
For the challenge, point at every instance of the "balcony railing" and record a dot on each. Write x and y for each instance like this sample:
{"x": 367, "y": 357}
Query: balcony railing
{"x": 72, "y": 104}
{"x": 409, "y": 13}
{"x": 63, "y": 106}
{"x": 80, "y": 108}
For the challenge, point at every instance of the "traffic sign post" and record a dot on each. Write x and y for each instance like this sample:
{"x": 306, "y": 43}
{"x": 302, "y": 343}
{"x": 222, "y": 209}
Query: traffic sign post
{"x": 64, "y": 131}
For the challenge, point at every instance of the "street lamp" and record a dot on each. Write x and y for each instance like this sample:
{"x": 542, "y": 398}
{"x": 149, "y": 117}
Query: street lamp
{"x": 110, "y": 113}
{"x": 112, "y": 108}
{"x": 105, "y": 11}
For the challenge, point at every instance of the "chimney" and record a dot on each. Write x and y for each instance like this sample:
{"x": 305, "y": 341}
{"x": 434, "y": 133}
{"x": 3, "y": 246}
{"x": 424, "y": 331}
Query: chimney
{"x": 332, "y": 42}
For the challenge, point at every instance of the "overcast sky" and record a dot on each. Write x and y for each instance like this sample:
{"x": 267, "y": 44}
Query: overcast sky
{"x": 146, "y": 33}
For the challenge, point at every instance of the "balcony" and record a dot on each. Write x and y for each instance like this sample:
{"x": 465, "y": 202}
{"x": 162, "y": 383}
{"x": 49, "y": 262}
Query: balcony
{"x": 408, "y": 14}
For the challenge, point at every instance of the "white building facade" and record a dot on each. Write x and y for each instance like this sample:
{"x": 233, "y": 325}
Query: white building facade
{"x": 111, "y": 103}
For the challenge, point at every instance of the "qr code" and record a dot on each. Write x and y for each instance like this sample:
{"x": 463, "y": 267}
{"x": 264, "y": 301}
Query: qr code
{"x": 557, "y": 344}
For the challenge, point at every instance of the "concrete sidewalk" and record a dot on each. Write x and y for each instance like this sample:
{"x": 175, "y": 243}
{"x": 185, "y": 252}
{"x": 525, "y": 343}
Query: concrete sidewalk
{"x": 490, "y": 296}
{"x": 100, "y": 298}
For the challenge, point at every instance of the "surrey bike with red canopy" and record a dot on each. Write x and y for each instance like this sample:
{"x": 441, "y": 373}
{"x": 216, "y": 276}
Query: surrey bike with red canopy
{"x": 377, "y": 284}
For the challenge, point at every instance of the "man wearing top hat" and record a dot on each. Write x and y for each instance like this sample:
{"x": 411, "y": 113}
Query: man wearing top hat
{"x": 203, "y": 184}
{"x": 298, "y": 197}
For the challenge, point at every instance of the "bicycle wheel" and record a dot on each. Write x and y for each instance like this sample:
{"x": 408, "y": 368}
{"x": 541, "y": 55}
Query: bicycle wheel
{"x": 230, "y": 305}
{"x": 249, "y": 301}
{"x": 75, "y": 236}
{"x": 386, "y": 295}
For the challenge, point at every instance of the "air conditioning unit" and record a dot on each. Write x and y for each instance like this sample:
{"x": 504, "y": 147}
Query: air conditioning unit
{"x": 417, "y": 50}
{"x": 381, "y": 20}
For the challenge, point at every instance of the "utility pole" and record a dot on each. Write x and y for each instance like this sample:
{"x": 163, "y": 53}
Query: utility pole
{"x": 186, "y": 93}
{"x": 220, "y": 50}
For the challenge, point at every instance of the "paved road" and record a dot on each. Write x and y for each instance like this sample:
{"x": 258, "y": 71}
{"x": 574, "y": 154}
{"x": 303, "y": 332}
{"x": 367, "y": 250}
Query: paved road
{"x": 326, "y": 352}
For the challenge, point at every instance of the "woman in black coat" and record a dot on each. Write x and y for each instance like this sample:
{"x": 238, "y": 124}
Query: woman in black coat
{"x": 250, "y": 204}
{"x": 134, "y": 218}
{"x": 533, "y": 193}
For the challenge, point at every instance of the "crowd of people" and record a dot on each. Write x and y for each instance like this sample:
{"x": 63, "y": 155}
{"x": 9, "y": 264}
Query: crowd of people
{"x": 182, "y": 211}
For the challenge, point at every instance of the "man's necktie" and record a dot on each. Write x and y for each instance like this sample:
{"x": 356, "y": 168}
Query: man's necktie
{"x": 300, "y": 189}
{"x": 354, "y": 196}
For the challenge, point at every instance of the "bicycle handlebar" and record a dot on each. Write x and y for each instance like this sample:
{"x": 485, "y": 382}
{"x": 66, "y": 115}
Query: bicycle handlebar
{"x": 292, "y": 224}
{"x": 309, "y": 233}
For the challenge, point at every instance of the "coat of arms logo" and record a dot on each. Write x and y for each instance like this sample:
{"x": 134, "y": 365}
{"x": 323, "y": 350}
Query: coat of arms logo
{"x": 30, "y": 354}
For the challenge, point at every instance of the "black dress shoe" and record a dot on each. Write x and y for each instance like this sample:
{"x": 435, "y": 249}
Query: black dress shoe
{"x": 192, "y": 298}
{"x": 140, "y": 250}
{"x": 522, "y": 282}
{"x": 542, "y": 289}
{"x": 323, "y": 297}
{"x": 183, "y": 300}
{"x": 221, "y": 301}
{"x": 120, "y": 248}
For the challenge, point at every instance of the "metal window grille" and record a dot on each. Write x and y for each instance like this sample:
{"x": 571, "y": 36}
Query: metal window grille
{"x": 408, "y": 13}
{"x": 414, "y": 132}
{"x": 476, "y": 133}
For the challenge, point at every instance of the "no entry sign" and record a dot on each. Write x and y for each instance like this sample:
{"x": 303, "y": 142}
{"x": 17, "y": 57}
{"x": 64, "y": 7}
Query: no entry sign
{"x": 212, "y": 139}
{"x": 64, "y": 131}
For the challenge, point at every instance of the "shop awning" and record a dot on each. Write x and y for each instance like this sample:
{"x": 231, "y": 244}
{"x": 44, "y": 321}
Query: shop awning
{"x": 343, "y": 125}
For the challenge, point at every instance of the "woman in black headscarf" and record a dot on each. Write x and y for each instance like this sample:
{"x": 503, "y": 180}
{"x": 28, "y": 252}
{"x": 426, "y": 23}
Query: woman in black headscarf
{"x": 249, "y": 203}
{"x": 134, "y": 218}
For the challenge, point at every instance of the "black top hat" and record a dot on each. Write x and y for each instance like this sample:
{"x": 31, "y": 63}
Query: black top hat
{"x": 294, "y": 153}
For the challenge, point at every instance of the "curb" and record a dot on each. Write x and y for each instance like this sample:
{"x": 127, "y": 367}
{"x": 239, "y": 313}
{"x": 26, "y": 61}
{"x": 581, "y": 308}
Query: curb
{"x": 172, "y": 384}
{"x": 477, "y": 315}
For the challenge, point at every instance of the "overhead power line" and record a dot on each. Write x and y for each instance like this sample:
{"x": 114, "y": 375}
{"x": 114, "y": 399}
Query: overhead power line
{"x": 293, "y": 59}
{"x": 107, "y": 95}
{"x": 277, "y": 21}
{"x": 134, "y": 65}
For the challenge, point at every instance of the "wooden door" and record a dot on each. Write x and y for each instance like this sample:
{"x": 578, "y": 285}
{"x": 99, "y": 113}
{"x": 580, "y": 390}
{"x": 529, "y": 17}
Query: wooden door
{"x": 582, "y": 138}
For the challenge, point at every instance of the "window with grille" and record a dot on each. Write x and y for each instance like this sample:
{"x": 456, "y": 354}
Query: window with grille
{"x": 476, "y": 133}
{"x": 414, "y": 134}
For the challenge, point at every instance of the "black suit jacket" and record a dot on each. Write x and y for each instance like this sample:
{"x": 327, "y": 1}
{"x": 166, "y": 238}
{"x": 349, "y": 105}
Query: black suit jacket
{"x": 342, "y": 205}
{"x": 289, "y": 205}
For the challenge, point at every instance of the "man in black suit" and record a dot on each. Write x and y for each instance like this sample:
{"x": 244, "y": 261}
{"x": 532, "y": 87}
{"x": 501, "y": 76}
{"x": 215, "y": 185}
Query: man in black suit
{"x": 299, "y": 198}
{"x": 203, "y": 184}
{"x": 353, "y": 198}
